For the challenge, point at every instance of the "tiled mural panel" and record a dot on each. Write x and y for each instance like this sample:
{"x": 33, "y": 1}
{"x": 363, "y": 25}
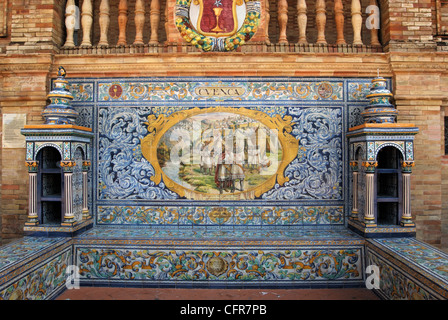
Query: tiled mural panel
{"x": 315, "y": 189}
{"x": 123, "y": 172}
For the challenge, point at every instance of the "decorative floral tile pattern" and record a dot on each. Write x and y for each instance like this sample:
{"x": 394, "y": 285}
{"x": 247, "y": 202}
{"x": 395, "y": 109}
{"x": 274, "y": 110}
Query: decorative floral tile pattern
{"x": 395, "y": 285}
{"x": 236, "y": 235}
{"x": 216, "y": 215}
{"x": 425, "y": 256}
{"x": 184, "y": 90}
{"x": 409, "y": 268}
{"x": 41, "y": 283}
{"x": 24, "y": 248}
{"x": 229, "y": 265}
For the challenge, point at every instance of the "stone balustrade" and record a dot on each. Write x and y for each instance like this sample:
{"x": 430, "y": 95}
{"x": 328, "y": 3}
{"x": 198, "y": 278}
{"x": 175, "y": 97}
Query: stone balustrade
{"x": 312, "y": 26}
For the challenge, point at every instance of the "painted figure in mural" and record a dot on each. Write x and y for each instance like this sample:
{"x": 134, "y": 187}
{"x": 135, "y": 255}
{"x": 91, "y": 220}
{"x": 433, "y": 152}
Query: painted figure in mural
{"x": 218, "y": 154}
{"x": 228, "y": 173}
{"x": 207, "y": 159}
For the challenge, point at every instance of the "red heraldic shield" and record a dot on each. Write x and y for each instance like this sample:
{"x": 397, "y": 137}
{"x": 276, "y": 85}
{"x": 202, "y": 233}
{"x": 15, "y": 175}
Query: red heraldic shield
{"x": 218, "y": 17}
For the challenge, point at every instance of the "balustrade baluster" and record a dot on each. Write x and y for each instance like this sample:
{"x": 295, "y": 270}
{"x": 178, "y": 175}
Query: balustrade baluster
{"x": 86, "y": 22}
{"x": 167, "y": 31}
{"x": 70, "y": 11}
{"x": 282, "y": 20}
{"x": 122, "y": 22}
{"x": 302, "y": 20}
{"x": 339, "y": 18}
{"x": 374, "y": 39}
{"x": 321, "y": 20}
{"x": 104, "y": 22}
{"x": 266, "y": 21}
{"x": 154, "y": 21}
{"x": 139, "y": 21}
{"x": 356, "y": 22}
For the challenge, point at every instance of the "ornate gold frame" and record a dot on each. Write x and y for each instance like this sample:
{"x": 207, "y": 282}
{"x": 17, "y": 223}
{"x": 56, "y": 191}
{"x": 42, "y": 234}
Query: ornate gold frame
{"x": 157, "y": 127}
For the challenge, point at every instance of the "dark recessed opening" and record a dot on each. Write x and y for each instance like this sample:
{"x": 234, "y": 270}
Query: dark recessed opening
{"x": 387, "y": 213}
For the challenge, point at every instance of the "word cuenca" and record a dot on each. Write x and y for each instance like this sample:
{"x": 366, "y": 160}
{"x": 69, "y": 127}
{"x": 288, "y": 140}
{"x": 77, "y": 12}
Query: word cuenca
{"x": 221, "y": 91}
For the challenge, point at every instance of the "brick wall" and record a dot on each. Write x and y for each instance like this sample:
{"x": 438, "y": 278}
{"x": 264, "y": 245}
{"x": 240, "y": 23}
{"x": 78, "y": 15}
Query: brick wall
{"x": 23, "y": 91}
{"x": 410, "y": 25}
{"x": 36, "y": 25}
{"x": 444, "y": 165}
{"x": 419, "y": 99}
{"x": 427, "y": 174}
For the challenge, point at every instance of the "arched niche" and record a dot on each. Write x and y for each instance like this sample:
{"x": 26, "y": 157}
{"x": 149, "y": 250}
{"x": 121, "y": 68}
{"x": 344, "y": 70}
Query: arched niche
{"x": 50, "y": 186}
{"x": 388, "y": 177}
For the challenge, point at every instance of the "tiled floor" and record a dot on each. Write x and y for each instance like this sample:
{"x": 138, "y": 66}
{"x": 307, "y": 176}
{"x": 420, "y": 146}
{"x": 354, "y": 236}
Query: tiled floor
{"x": 107, "y": 293}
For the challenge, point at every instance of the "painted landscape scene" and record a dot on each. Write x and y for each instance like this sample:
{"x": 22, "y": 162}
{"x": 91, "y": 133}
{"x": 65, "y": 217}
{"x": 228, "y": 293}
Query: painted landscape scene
{"x": 219, "y": 153}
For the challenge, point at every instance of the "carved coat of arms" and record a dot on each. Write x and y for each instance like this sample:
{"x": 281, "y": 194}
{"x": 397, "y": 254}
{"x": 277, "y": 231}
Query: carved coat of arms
{"x": 217, "y": 25}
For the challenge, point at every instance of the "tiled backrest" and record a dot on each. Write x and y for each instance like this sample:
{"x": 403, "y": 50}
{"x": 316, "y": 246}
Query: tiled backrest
{"x": 124, "y": 192}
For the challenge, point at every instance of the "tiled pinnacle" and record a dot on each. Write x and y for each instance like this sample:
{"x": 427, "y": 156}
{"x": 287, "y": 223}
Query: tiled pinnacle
{"x": 59, "y": 111}
{"x": 380, "y": 109}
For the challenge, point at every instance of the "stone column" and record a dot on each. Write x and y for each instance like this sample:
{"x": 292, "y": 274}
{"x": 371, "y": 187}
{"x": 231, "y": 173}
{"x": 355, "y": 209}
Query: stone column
{"x": 369, "y": 212}
{"x": 69, "y": 217}
{"x": 354, "y": 213}
{"x": 85, "y": 195}
{"x": 266, "y": 22}
{"x": 406, "y": 216}
{"x": 374, "y": 39}
{"x": 86, "y": 22}
{"x": 33, "y": 219}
